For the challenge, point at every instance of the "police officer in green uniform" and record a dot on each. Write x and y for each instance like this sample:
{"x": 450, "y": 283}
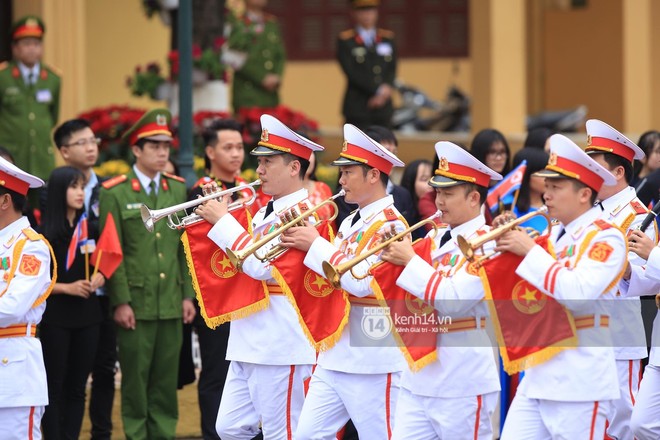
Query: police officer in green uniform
{"x": 151, "y": 291}
{"x": 367, "y": 56}
{"x": 29, "y": 100}
{"x": 256, "y": 42}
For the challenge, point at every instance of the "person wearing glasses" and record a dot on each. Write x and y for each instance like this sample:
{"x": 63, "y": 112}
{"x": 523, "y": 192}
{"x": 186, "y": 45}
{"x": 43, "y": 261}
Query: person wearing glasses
{"x": 29, "y": 100}
{"x": 490, "y": 147}
{"x": 79, "y": 147}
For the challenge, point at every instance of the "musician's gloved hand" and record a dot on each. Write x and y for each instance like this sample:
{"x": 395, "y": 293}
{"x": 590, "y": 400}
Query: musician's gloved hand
{"x": 398, "y": 252}
{"x": 515, "y": 241}
{"x": 299, "y": 237}
{"x": 213, "y": 210}
{"x": 640, "y": 243}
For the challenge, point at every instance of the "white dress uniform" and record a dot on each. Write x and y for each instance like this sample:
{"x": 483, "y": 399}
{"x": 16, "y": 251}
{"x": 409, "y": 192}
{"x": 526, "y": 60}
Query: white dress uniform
{"x": 358, "y": 378}
{"x": 25, "y": 285}
{"x": 269, "y": 353}
{"x": 625, "y": 211}
{"x": 569, "y": 396}
{"x": 454, "y": 397}
{"x": 645, "y": 420}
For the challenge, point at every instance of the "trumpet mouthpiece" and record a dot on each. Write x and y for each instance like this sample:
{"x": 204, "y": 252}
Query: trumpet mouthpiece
{"x": 257, "y": 182}
{"x": 341, "y": 193}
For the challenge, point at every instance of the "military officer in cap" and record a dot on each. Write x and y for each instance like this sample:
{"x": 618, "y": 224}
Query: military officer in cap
{"x": 270, "y": 355}
{"x": 26, "y": 283}
{"x": 367, "y": 57}
{"x": 29, "y": 100}
{"x": 570, "y": 395}
{"x": 151, "y": 291}
{"x": 357, "y": 378}
{"x": 257, "y": 40}
{"x": 455, "y": 396}
{"x": 621, "y": 207}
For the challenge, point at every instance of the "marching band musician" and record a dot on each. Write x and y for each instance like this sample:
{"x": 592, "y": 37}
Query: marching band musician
{"x": 357, "y": 378}
{"x": 570, "y": 395}
{"x": 621, "y": 207}
{"x": 455, "y": 396}
{"x": 270, "y": 355}
{"x": 26, "y": 259}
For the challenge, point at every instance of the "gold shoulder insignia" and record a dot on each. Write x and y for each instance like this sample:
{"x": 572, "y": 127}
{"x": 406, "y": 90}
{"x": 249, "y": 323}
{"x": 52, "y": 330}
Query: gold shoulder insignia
{"x": 114, "y": 181}
{"x": 385, "y": 33}
{"x": 172, "y": 176}
{"x": 638, "y": 207}
{"x": 347, "y": 34}
{"x": 31, "y": 234}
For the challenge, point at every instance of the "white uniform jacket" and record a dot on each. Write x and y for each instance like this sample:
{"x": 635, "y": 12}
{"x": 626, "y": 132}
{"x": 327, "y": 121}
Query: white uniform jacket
{"x": 466, "y": 362}
{"x": 22, "y": 371}
{"x": 356, "y": 352}
{"x": 625, "y": 211}
{"x": 272, "y": 336}
{"x": 583, "y": 278}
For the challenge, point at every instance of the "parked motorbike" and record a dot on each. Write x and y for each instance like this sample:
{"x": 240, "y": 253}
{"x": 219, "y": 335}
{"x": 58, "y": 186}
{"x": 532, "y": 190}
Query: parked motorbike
{"x": 419, "y": 112}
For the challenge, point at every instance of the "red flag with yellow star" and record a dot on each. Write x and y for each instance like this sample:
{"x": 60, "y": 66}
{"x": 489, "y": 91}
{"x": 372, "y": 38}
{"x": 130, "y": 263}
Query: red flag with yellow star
{"x": 322, "y": 309}
{"x": 531, "y": 327}
{"x": 223, "y": 293}
{"x": 416, "y": 324}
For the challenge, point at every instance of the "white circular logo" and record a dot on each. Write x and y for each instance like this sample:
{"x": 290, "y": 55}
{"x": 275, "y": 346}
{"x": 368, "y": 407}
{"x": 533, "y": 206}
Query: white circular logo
{"x": 376, "y": 323}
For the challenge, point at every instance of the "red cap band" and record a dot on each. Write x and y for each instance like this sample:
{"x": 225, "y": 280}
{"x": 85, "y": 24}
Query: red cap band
{"x": 358, "y": 154}
{"x": 462, "y": 172}
{"x": 577, "y": 171}
{"x": 13, "y": 183}
{"x": 28, "y": 31}
{"x": 610, "y": 146}
{"x": 280, "y": 143}
{"x": 147, "y": 130}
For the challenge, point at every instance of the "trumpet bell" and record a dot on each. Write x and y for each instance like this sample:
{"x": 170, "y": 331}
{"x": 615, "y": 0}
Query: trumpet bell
{"x": 148, "y": 218}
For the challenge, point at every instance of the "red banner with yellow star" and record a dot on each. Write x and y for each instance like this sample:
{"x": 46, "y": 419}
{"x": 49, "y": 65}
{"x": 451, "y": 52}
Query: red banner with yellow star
{"x": 322, "y": 309}
{"x": 415, "y": 323}
{"x": 223, "y": 293}
{"x": 531, "y": 327}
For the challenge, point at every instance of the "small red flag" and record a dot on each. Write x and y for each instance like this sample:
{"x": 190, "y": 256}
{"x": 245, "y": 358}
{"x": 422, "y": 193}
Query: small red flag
{"x": 79, "y": 237}
{"x": 108, "y": 254}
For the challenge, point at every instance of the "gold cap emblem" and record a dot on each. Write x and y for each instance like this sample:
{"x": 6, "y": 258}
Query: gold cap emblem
{"x": 264, "y": 135}
{"x": 31, "y": 22}
{"x": 588, "y": 140}
{"x": 344, "y": 147}
{"x": 553, "y": 159}
{"x": 443, "y": 165}
{"x": 161, "y": 120}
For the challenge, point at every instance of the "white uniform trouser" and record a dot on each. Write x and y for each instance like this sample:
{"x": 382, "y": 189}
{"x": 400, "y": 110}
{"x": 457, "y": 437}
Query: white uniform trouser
{"x": 333, "y": 397}
{"x": 645, "y": 421}
{"x": 619, "y": 421}
{"x": 21, "y": 423}
{"x": 270, "y": 395}
{"x": 535, "y": 419}
{"x": 443, "y": 418}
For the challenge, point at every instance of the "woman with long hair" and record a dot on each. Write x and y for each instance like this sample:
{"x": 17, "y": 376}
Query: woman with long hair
{"x": 415, "y": 179}
{"x": 490, "y": 147}
{"x": 647, "y": 171}
{"x": 530, "y": 196}
{"x": 69, "y": 330}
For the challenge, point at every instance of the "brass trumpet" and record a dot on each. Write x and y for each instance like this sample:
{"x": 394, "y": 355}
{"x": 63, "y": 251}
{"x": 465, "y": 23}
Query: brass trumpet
{"x": 238, "y": 257}
{"x": 469, "y": 247}
{"x": 334, "y": 273}
{"x": 150, "y": 217}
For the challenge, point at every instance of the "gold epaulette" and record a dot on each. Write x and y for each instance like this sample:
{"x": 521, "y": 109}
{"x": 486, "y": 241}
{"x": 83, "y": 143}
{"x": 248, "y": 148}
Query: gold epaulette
{"x": 385, "y": 33}
{"x": 31, "y": 234}
{"x": 114, "y": 181}
{"x": 347, "y": 34}
{"x": 172, "y": 176}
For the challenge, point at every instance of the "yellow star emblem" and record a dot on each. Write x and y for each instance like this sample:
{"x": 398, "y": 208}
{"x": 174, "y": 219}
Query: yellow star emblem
{"x": 319, "y": 281}
{"x": 225, "y": 263}
{"x": 529, "y": 296}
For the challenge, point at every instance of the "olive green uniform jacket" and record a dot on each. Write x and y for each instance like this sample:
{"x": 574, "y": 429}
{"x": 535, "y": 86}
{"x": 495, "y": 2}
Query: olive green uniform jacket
{"x": 153, "y": 276}
{"x": 27, "y": 117}
{"x": 263, "y": 45}
{"x": 366, "y": 68}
